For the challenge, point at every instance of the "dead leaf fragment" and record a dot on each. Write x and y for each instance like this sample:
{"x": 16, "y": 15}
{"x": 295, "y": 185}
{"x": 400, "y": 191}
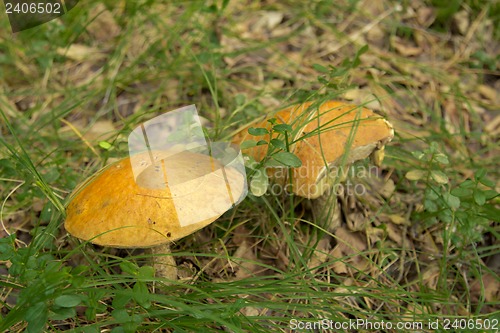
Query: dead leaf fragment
{"x": 250, "y": 311}
{"x": 100, "y": 130}
{"x": 493, "y": 127}
{"x": 320, "y": 253}
{"x": 338, "y": 266}
{"x": 398, "y": 219}
{"x": 103, "y": 27}
{"x": 245, "y": 260}
{"x": 376, "y": 36}
{"x": 395, "y": 234}
{"x": 363, "y": 96}
{"x": 80, "y": 52}
{"x": 404, "y": 48}
{"x": 270, "y": 20}
{"x": 488, "y": 92}
{"x": 461, "y": 21}
{"x": 489, "y": 285}
{"x": 388, "y": 188}
{"x": 430, "y": 276}
{"x": 349, "y": 245}
{"x": 374, "y": 234}
{"x": 425, "y": 16}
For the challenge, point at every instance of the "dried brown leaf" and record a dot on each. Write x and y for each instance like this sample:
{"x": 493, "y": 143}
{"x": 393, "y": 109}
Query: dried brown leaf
{"x": 363, "y": 96}
{"x": 100, "y": 130}
{"x": 461, "y": 20}
{"x": 376, "y": 36}
{"x": 350, "y": 242}
{"x": 103, "y": 27}
{"x": 398, "y": 219}
{"x": 356, "y": 221}
{"x": 425, "y": 16}
{"x": 80, "y": 52}
{"x": 338, "y": 266}
{"x": 488, "y": 285}
{"x": 404, "y": 47}
{"x": 430, "y": 276}
{"x": 374, "y": 234}
{"x": 321, "y": 253}
{"x": 395, "y": 234}
{"x": 246, "y": 267}
{"x": 388, "y": 188}
{"x": 493, "y": 127}
{"x": 488, "y": 93}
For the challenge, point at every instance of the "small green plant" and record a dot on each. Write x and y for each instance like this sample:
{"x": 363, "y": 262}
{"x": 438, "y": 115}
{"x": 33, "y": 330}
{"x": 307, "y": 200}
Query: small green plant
{"x": 44, "y": 288}
{"x": 466, "y": 209}
{"x": 47, "y": 291}
{"x": 125, "y": 301}
{"x": 277, "y": 155}
{"x": 482, "y": 60}
{"x": 433, "y": 159}
{"x": 332, "y": 79}
{"x": 477, "y": 207}
{"x": 141, "y": 275}
{"x": 337, "y": 79}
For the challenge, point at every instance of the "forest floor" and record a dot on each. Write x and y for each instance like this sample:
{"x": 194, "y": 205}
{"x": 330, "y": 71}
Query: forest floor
{"x": 419, "y": 245}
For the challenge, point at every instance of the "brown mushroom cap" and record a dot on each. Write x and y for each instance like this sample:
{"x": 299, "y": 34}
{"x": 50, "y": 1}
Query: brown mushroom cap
{"x": 111, "y": 209}
{"x": 321, "y": 137}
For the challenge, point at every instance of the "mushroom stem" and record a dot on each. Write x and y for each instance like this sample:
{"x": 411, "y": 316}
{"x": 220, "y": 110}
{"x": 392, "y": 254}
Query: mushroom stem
{"x": 163, "y": 262}
{"x": 326, "y": 210}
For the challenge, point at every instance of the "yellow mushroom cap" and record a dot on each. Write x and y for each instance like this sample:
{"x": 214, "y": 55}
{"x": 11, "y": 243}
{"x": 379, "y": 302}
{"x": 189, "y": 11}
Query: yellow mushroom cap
{"x": 321, "y": 136}
{"x": 111, "y": 209}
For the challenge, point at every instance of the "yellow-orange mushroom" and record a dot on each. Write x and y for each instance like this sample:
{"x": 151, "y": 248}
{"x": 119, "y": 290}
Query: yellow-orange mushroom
{"x": 114, "y": 209}
{"x": 325, "y": 137}
{"x": 322, "y": 135}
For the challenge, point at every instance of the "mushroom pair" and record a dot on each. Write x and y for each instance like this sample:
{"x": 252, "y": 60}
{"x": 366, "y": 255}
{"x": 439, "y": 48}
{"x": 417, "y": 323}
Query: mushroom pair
{"x": 156, "y": 197}
{"x": 326, "y": 138}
